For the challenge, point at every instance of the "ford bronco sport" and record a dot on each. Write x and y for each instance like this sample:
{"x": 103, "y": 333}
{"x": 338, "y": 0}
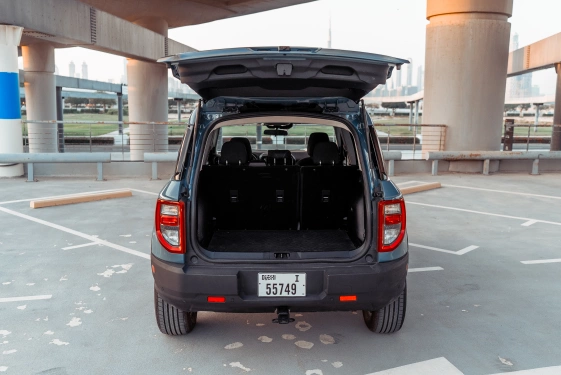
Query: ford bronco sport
{"x": 279, "y": 202}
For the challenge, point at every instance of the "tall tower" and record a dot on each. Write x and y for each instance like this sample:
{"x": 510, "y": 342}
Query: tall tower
{"x": 329, "y": 34}
{"x": 71, "y": 69}
{"x": 84, "y": 70}
{"x": 398, "y": 79}
{"x": 410, "y": 72}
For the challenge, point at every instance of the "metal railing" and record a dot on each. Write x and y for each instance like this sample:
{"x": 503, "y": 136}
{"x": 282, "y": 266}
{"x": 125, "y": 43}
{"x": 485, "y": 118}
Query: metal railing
{"x": 421, "y": 137}
{"x": 511, "y": 136}
{"x": 95, "y": 136}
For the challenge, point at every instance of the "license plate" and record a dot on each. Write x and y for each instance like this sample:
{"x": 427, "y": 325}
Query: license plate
{"x": 281, "y": 284}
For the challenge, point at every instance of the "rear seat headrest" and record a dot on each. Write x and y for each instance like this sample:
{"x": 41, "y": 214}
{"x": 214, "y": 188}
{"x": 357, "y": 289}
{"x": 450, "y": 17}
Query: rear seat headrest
{"x": 314, "y": 139}
{"x": 326, "y": 153}
{"x": 233, "y": 153}
{"x": 246, "y": 144}
{"x": 279, "y": 157}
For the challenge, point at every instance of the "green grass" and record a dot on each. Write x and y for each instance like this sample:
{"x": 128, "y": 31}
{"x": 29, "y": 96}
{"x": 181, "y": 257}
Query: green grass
{"x": 83, "y": 130}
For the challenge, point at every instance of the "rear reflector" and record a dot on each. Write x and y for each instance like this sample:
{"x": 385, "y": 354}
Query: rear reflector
{"x": 215, "y": 299}
{"x": 347, "y": 298}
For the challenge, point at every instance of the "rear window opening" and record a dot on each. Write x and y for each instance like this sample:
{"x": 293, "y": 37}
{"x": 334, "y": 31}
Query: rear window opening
{"x": 281, "y": 187}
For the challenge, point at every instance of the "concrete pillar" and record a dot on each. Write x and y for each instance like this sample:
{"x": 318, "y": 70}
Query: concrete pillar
{"x": 465, "y": 70}
{"x": 11, "y": 140}
{"x": 410, "y": 112}
{"x": 60, "y": 117}
{"x": 259, "y": 137}
{"x": 178, "y": 102}
{"x": 556, "y": 133}
{"x": 417, "y": 112}
{"x": 148, "y": 99}
{"x": 40, "y": 96}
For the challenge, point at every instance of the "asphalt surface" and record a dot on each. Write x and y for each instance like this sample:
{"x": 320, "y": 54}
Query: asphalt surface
{"x": 473, "y": 306}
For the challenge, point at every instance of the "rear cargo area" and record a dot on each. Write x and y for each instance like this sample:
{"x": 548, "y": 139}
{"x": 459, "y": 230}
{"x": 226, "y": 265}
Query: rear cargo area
{"x": 255, "y": 208}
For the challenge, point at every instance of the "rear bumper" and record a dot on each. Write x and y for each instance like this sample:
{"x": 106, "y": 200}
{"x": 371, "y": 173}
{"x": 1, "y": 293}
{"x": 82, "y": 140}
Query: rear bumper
{"x": 188, "y": 287}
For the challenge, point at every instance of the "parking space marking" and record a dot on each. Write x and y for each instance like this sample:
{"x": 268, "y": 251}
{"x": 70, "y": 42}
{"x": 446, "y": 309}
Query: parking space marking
{"x": 463, "y": 251}
{"x": 26, "y": 298}
{"x": 528, "y": 223}
{"x": 79, "y": 246}
{"x": 503, "y": 191}
{"x": 425, "y": 269}
{"x": 76, "y": 233}
{"x": 432, "y": 366}
{"x": 483, "y": 213}
{"x": 541, "y": 261}
{"x": 144, "y": 191}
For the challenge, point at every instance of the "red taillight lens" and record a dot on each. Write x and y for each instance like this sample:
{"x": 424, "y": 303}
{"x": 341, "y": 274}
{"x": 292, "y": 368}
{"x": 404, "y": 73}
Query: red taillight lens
{"x": 169, "y": 225}
{"x": 391, "y": 224}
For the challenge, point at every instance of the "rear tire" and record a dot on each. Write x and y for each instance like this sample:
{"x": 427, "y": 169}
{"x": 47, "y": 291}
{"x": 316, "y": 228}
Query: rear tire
{"x": 388, "y": 319}
{"x": 171, "y": 320}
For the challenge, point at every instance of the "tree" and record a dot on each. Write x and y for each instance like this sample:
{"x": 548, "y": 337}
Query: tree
{"x": 510, "y": 107}
{"x": 103, "y": 102}
{"x": 76, "y": 101}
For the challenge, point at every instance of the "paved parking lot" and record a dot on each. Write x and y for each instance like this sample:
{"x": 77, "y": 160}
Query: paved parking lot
{"x": 485, "y": 254}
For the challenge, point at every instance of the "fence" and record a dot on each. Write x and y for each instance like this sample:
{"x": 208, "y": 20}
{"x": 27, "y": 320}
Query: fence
{"x": 512, "y": 136}
{"x": 112, "y": 136}
{"x": 407, "y": 137}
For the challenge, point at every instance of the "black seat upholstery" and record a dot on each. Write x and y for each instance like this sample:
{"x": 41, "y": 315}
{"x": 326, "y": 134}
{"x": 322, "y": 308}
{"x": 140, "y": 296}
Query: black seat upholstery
{"x": 279, "y": 157}
{"x": 246, "y": 144}
{"x": 313, "y": 140}
{"x": 233, "y": 153}
{"x": 326, "y": 153}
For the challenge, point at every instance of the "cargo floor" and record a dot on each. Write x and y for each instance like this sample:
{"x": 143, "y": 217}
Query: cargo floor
{"x": 280, "y": 240}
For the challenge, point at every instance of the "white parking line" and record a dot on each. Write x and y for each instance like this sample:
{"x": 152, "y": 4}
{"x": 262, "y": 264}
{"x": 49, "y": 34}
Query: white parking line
{"x": 484, "y": 213}
{"x": 144, "y": 191}
{"x": 542, "y": 261}
{"x": 433, "y": 366}
{"x": 425, "y": 269}
{"x": 79, "y": 246}
{"x": 76, "y": 233}
{"x": 503, "y": 191}
{"x": 463, "y": 251}
{"x": 528, "y": 223}
{"x": 27, "y": 298}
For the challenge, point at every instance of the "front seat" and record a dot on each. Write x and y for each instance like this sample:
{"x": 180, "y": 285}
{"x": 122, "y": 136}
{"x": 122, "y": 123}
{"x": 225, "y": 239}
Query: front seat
{"x": 313, "y": 140}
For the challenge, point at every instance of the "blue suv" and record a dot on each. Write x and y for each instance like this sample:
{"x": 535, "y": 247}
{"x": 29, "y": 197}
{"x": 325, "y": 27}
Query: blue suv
{"x": 279, "y": 201}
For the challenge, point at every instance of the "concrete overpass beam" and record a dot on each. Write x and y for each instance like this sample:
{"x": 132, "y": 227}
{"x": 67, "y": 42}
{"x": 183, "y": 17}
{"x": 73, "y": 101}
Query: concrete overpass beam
{"x": 466, "y": 65}
{"x": 11, "y": 140}
{"x": 40, "y": 96}
{"x": 556, "y": 133}
{"x": 148, "y": 99}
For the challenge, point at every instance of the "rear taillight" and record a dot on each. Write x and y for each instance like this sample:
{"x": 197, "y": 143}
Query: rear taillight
{"x": 169, "y": 225}
{"x": 391, "y": 224}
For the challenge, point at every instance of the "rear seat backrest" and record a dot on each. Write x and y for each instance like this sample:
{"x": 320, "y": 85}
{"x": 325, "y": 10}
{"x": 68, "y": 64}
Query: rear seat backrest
{"x": 246, "y": 144}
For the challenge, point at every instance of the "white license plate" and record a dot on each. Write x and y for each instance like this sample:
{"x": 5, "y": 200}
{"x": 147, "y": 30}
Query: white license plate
{"x": 281, "y": 284}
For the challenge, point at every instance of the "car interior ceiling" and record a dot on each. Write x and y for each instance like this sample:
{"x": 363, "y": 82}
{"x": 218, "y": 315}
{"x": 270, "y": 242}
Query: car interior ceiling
{"x": 246, "y": 200}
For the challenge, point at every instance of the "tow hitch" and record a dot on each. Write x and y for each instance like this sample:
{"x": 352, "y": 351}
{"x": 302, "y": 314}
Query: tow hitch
{"x": 283, "y": 316}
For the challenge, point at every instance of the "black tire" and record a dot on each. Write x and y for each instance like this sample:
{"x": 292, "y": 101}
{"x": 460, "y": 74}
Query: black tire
{"x": 388, "y": 319}
{"x": 171, "y": 320}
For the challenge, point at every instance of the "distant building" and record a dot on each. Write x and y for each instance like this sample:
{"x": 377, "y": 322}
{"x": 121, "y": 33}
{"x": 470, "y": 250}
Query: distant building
{"x": 398, "y": 79}
{"x": 71, "y": 69}
{"x": 124, "y": 75}
{"x": 420, "y": 78}
{"x": 519, "y": 86}
{"x": 84, "y": 70}
{"x": 410, "y": 72}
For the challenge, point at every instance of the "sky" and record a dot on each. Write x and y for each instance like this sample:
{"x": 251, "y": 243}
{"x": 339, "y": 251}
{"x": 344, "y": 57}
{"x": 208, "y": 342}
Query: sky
{"x": 395, "y": 28}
